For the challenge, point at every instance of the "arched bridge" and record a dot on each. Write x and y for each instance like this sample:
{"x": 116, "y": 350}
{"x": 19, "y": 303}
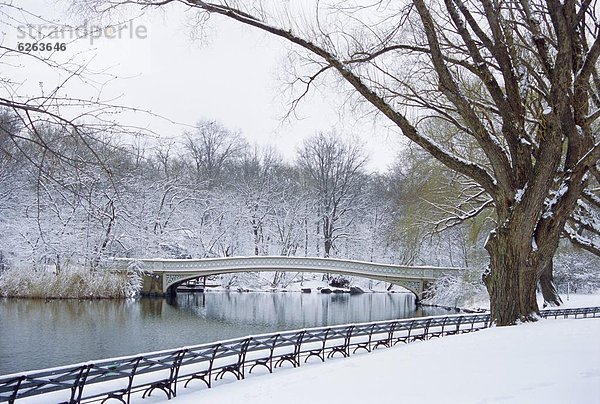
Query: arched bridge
{"x": 164, "y": 275}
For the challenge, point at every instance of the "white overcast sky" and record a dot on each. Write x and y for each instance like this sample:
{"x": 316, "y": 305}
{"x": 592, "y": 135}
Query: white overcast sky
{"x": 234, "y": 77}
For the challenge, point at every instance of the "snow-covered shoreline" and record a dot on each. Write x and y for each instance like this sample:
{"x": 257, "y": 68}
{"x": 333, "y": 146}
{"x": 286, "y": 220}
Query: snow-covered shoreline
{"x": 70, "y": 283}
{"x": 558, "y": 362}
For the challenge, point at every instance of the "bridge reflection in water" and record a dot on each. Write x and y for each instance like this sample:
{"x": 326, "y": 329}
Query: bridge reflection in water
{"x": 281, "y": 311}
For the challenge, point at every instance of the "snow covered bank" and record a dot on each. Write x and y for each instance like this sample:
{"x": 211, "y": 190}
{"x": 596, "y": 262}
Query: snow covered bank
{"x": 71, "y": 283}
{"x": 577, "y": 300}
{"x": 551, "y": 361}
{"x": 569, "y": 301}
{"x": 482, "y": 304}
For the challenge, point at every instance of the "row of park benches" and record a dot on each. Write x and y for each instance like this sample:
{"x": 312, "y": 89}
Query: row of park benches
{"x": 115, "y": 379}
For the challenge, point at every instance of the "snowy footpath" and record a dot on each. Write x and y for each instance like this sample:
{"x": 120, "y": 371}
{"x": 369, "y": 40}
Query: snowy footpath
{"x": 551, "y": 361}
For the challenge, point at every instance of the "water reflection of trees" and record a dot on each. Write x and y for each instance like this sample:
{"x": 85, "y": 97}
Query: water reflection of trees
{"x": 151, "y": 307}
{"x": 292, "y": 310}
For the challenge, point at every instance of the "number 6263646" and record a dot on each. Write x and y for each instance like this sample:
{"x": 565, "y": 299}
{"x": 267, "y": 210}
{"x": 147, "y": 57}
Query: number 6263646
{"x": 41, "y": 46}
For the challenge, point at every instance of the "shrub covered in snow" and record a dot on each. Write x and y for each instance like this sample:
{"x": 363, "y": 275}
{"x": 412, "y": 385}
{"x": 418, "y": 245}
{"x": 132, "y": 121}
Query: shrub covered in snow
{"x": 80, "y": 283}
{"x": 339, "y": 282}
{"x": 463, "y": 290}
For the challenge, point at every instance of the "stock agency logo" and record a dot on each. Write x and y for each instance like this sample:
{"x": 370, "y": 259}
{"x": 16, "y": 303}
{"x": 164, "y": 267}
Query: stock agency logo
{"x": 56, "y": 34}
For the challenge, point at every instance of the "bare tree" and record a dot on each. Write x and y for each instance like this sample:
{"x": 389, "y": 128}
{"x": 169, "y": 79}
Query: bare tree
{"x": 211, "y": 146}
{"x": 334, "y": 170}
{"x": 258, "y": 189}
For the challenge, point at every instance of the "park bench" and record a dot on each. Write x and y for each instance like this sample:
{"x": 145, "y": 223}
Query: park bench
{"x": 293, "y": 357}
{"x": 345, "y": 334}
{"x": 362, "y": 330}
{"x": 205, "y": 356}
{"x": 168, "y": 384}
{"x": 401, "y": 327}
{"x": 389, "y": 329}
{"x": 236, "y": 368}
{"x": 270, "y": 342}
{"x": 321, "y": 337}
{"x": 436, "y": 327}
{"x": 128, "y": 369}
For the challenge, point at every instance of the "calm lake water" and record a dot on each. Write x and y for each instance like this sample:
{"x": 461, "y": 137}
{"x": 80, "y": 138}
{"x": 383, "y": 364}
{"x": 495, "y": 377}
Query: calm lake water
{"x": 35, "y": 334}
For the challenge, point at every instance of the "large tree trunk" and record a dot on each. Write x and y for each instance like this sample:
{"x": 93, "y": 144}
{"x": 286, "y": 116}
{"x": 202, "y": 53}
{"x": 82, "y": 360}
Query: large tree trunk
{"x": 256, "y": 238}
{"x": 327, "y": 237}
{"x": 547, "y": 287}
{"x": 327, "y": 247}
{"x": 511, "y": 282}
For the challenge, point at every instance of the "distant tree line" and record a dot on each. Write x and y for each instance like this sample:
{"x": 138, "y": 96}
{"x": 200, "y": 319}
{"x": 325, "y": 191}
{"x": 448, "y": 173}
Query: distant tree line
{"x": 208, "y": 194}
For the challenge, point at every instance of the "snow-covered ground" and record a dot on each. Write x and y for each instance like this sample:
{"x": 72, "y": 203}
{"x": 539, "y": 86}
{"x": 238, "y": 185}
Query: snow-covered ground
{"x": 578, "y": 300}
{"x": 570, "y": 300}
{"x": 551, "y": 361}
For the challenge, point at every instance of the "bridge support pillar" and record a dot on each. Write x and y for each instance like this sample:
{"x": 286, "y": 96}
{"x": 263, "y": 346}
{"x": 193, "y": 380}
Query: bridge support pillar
{"x": 152, "y": 285}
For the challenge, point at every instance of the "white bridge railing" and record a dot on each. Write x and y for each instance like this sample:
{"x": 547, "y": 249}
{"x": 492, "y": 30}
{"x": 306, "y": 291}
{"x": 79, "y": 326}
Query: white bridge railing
{"x": 280, "y": 263}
